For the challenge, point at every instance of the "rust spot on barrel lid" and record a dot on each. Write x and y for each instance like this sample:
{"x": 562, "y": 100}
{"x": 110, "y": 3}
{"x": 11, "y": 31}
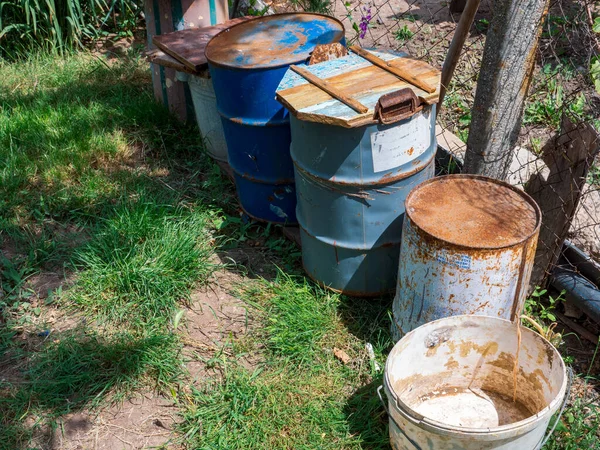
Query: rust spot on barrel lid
{"x": 473, "y": 211}
{"x": 272, "y": 41}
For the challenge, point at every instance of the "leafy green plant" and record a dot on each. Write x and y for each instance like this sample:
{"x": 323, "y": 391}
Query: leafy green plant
{"x": 595, "y": 73}
{"x": 534, "y": 306}
{"x": 554, "y": 26}
{"x": 318, "y": 6}
{"x": 403, "y": 34}
{"x": 482, "y": 25}
{"x": 538, "y": 310}
{"x": 578, "y": 427}
{"x": 458, "y": 110}
{"x": 58, "y": 25}
{"x": 551, "y": 102}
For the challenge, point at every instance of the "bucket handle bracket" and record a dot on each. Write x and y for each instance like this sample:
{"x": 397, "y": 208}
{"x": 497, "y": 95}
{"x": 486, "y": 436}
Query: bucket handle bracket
{"x": 397, "y": 106}
{"x": 414, "y": 444}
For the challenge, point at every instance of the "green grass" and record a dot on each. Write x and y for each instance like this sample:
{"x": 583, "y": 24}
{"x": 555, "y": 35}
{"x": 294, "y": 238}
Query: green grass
{"x": 141, "y": 263}
{"x": 78, "y": 370}
{"x": 101, "y": 184}
{"x": 301, "y": 396}
{"x": 550, "y": 101}
{"x": 403, "y": 34}
{"x": 58, "y": 26}
{"x": 458, "y": 111}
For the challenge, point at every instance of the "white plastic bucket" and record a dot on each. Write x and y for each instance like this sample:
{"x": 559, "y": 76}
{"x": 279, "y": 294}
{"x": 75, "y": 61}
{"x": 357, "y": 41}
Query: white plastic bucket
{"x": 450, "y": 385}
{"x": 207, "y": 116}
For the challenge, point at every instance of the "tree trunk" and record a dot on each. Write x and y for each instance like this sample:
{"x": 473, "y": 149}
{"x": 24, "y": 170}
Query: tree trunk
{"x": 568, "y": 158}
{"x": 506, "y": 69}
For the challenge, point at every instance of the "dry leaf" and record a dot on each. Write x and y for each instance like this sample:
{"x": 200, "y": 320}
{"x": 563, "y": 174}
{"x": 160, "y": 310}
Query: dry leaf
{"x": 341, "y": 355}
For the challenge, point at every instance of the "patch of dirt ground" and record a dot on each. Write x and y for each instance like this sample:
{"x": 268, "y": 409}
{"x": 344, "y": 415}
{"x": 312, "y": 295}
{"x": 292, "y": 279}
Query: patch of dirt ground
{"x": 145, "y": 421}
{"x": 214, "y": 318}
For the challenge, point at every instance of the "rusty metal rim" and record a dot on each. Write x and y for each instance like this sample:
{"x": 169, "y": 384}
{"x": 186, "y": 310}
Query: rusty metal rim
{"x": 442, "y": 428}
{"x": 388, "y": 180}
{"x": 214, "y": 41}
{"x": 285, "y": 122}
{"x": 524, "y": 195}
{"x": 282, "y": 182}
{"x": 346, "y": 292}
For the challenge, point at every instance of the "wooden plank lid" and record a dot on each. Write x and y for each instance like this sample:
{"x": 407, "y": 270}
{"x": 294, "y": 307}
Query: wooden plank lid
{"x": 360, "y": 80}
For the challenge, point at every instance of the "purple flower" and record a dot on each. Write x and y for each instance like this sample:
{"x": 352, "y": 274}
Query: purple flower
{"x": 364, "y": 21}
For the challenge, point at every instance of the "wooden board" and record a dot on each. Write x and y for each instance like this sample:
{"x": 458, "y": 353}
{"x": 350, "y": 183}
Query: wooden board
{"x": 187, "y": 46}
{"x": 162, "y": 59}
{"x": 358, "y": 79}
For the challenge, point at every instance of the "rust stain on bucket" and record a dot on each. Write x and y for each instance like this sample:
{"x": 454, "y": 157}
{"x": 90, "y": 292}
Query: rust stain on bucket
{"x": 462, "y": 395}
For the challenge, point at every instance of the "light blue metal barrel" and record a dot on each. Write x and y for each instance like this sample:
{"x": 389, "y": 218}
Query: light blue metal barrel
{"x": 246, "y": 64}
{"x": 351, "y": 196}
{"x": 355, "y": 166}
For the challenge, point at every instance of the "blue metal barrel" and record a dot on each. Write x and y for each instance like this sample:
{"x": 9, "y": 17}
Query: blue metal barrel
{"x": 352, "y": 184}
{"x": 246, "y": 64}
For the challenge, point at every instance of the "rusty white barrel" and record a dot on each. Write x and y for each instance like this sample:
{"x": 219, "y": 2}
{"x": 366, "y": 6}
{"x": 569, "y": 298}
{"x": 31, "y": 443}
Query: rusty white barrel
{"x": 450, "y": 385}
{"x": 468, "y": 244}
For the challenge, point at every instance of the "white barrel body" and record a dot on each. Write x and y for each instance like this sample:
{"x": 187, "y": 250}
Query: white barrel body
{"x": 207, "y": 116}
{"x": 437, "y": 280}
{"x": 449, "y": 385}
{"x": 470, "y": 261}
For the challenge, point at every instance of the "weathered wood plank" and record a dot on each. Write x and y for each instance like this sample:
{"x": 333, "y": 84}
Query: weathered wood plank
{"x": 325, "y": 86}
{"x": 357, "y": 79}
{"x": 401, "y": 71}
{"x": 159, "y": 57}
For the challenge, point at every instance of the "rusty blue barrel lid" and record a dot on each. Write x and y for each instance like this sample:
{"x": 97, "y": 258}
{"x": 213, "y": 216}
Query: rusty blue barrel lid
{"x": 273, "y": 41}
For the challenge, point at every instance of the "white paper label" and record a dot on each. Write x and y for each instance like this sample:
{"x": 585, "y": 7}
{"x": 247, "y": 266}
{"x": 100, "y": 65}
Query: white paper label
{"x": 401, "y": 144}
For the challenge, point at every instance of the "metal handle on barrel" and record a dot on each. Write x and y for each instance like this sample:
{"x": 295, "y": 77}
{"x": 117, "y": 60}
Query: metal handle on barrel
{"x": 397, "y": 106}
{"x": 560, "y": 412}
{"x": 414, "y": 444}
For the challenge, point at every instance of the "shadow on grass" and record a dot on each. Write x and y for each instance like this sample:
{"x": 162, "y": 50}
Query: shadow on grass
{"x": 82, "y": 144}
{"x": 87, "y": 139}
{"x": 368, "y": 319}
{"x": 367, "y": 418}
{"x": 76, "y": 370}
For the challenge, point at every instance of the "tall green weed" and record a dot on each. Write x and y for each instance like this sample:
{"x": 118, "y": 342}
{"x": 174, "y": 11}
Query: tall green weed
{"x": 60, "y": 25}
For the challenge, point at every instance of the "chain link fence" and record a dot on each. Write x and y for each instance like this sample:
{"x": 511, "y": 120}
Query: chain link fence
{"x": 556, "y": 158}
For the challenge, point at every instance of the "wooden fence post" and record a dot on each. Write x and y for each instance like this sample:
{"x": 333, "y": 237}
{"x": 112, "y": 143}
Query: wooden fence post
{"x": 568, "y": 158}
